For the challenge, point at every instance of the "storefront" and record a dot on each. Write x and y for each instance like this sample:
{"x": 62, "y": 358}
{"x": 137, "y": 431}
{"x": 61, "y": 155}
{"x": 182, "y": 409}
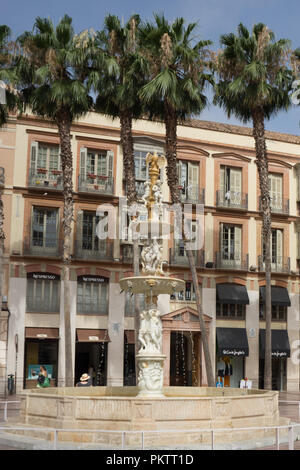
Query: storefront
{"x": 280, "y": 352}
{"x": 91, "y": 352}
{"x": 232, "y": 348}
{"x": 129, "y": 358}
{"x": 41, "y": 349}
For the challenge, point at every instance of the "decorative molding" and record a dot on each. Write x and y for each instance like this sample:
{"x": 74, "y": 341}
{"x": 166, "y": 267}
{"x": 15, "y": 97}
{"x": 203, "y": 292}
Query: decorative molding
{"x": 231, "y": 155}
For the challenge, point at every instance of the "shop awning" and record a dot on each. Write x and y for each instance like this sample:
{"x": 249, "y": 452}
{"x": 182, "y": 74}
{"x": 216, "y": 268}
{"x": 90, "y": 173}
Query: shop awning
{"x": 130, "y": 337}
{"x": 92, "y": 336}
{"x": 280, "y": 343}
{"x": 232, "y": 294}
{"x": 42, "y": 333}
{"x": 279, "y": 296}
{"x": 232, "y": 342}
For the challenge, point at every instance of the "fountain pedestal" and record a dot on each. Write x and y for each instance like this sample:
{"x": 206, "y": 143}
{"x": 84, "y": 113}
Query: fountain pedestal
{"x": 150, "y": 378}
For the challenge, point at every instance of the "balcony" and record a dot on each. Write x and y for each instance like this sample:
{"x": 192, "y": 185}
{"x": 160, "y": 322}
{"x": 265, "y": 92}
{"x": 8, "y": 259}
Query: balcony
{"x": 232, "y": 200}
{"x": 239, "y": 263}
{"x": 45, "y": 179}
{"x": 278, "y": 206}
{"x": 178, "y": 257}
{"x": 43, "y": 246}
{"x": 85, "y": 251}
{"x": 282, "y": 265}
{"x": 192, "y": 195}
{"x": 95, "y": 184}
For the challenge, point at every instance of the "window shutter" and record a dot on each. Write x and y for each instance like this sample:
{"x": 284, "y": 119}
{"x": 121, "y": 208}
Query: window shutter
{"x": 279, "y": 251}
{"x": 235, "y": 180}
{"x": 110, "y": 163}
{"x": 79, "y": 227}
{"x": 83, "y": 157}
{"x": 238, "y": 244}
{"x": 59, "y": 158}
{"x": 178, "y": 164}
{"x": 33, "y": 157}
{"x": 221, "y": 240}
{"x": 193, "y": 179}
{"x": 222, "y": 183}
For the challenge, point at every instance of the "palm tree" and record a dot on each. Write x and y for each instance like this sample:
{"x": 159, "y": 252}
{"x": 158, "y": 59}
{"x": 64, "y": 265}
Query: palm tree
{"x": 52, "y": 71}
{"x": 117, "y": 85}
{"x": 254, "y": 85}
{"x": 178, "y": 75}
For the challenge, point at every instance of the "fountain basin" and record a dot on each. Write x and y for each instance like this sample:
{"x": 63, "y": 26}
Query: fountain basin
{"x": 154, "y": 285}
{"x": 183, "y": 411}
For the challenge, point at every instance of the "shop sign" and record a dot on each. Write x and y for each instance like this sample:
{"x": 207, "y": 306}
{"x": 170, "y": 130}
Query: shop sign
{"x": 41, "y": 335}
{"x": 279, "y": 354}
{"x": 233, "y": 352}
{"x": 93, "y": 338}
{"x": 43, "y": 276}
{"x": 91, "y": 278}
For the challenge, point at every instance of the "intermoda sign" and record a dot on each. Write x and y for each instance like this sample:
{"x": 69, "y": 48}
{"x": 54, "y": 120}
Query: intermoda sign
{"x": 43, "y": 276}
{"x": 91, "y": 278}
{"x": 233, "y": 352}
{"x": 279, "y": 353}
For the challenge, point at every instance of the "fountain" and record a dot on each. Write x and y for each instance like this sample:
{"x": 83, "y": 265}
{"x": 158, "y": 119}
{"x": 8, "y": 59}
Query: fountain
{"x": 176, "y": 416}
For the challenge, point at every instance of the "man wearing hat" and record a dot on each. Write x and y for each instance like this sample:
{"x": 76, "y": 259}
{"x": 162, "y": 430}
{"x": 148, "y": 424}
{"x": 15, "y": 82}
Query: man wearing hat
{"x": 85, "y": 381}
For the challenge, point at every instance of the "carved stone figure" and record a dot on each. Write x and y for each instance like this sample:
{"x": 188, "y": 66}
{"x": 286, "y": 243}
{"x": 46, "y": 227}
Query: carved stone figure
{"x": 150, "y": 332}
{"x": 150, "y": 376}
{"x": 152, "y": 258}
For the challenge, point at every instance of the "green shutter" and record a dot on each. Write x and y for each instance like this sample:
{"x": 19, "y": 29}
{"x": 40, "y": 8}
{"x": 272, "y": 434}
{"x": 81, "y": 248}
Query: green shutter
{"x": 279, "y": 247}
{"x": 110, "y": 164}
{"x": 79, "y": 228}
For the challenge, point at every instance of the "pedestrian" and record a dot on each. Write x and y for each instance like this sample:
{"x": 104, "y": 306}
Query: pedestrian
{"x": 85, "y": 381}
{"x": 43, "y": 379}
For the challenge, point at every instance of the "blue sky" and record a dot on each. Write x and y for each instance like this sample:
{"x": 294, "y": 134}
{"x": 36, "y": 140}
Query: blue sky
{"x": 214, "y": 17}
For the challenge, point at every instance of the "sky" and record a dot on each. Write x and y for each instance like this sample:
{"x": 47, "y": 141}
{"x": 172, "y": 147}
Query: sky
{"x": 214, "y": 17}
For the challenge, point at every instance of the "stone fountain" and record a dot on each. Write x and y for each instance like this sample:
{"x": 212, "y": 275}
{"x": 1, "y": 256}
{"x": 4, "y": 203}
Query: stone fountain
{"x": 151, "y": 283}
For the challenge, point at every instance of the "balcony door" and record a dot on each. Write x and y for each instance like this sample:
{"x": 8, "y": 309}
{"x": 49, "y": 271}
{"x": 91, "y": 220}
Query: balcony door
{"x": 230, "y": 185}
{"x": 276, "y": 250}
{"x": 44, "y": 230}
{"x": 188, "y": 180}
{"x": 231, "y": 245}
{"x": 275, "y": 186}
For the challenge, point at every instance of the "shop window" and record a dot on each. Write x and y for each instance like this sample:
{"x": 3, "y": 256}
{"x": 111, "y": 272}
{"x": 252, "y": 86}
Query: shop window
{"x": 279, "y": 313}
{"x": 42, "y": 293}
{"x": 92, "y": 295}
{"x": 188, "y": 294}
{"x": 237, "y": 311}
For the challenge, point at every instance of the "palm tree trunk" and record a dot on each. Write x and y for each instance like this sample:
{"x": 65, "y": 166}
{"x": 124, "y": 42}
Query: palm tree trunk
{"x": 64, "y": 128}
{"x": 129, "y": 176}
{"x": 262, "y": 165}
{"x": 171, "y": 155}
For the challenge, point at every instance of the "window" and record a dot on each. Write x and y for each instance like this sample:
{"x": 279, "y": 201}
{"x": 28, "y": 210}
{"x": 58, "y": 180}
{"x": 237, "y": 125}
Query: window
{"x": 42, "y": 294}
{"x": 276, "y": 248}
{"x": 237, "y": 311}
{"x": 129, "y": 304}
{"x": 92, "y": 295}
{"x": 230, "y": 185}
{"x": 140, "y": 164}
{"x": 44, "y": 228}
{"x": 275, "y": 186}
{"x": 45, "y": 159}
{"x": 188, "y": 179}
{"x": 90, "y": 241}
{"x": 230, "y": 243}
{"x": 187, "y": 295}
{"x": 279, "y": 312}
{"x": 96, "y": 167}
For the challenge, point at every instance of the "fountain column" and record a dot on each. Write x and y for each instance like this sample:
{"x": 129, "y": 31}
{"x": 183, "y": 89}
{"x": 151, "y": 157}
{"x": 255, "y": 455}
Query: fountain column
{"x": 151, "y": 283}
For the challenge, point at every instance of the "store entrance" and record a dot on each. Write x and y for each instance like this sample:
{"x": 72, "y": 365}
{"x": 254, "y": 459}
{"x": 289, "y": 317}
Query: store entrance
{"x": 231, "y": 370}
{"x": 91, "y": 356}
{"x": 40, "y": 352}
{"x": 279, "y": 376}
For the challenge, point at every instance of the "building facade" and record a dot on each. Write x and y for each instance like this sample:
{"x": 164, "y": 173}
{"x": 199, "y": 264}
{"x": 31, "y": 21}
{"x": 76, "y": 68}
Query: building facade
{"x": 216, "y": 168}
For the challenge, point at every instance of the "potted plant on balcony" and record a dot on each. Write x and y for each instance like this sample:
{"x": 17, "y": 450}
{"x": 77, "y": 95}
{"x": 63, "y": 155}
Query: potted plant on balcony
{"x": 91, "y": 176}
{"x": 42, "y": 170}
{"x": 56, "y": 172}
{"x": 96, "y": 186}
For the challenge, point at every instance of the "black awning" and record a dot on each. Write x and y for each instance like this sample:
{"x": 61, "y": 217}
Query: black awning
{"x": 232, "y": 342}
{"x": 280, "y": 343}
{"x": 232, "y": 294}
{"x": 279, "y": 296}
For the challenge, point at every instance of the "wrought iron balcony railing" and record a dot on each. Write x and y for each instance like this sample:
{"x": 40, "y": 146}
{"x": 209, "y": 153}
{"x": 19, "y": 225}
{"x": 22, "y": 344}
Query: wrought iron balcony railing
{"x": 280, "y": 265}
{"x": 191, "y": 194}
{"x": 45, "y": 179}
{"x": 278, "y": 205}
{"x": 239, "y": 262}
{"x": 178, "y": 257}
{"x": 232, "y": 199}
{"x": 95, "y": 184}
{"x": 85, "y": 250}
{"x": 45, "y": 245}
